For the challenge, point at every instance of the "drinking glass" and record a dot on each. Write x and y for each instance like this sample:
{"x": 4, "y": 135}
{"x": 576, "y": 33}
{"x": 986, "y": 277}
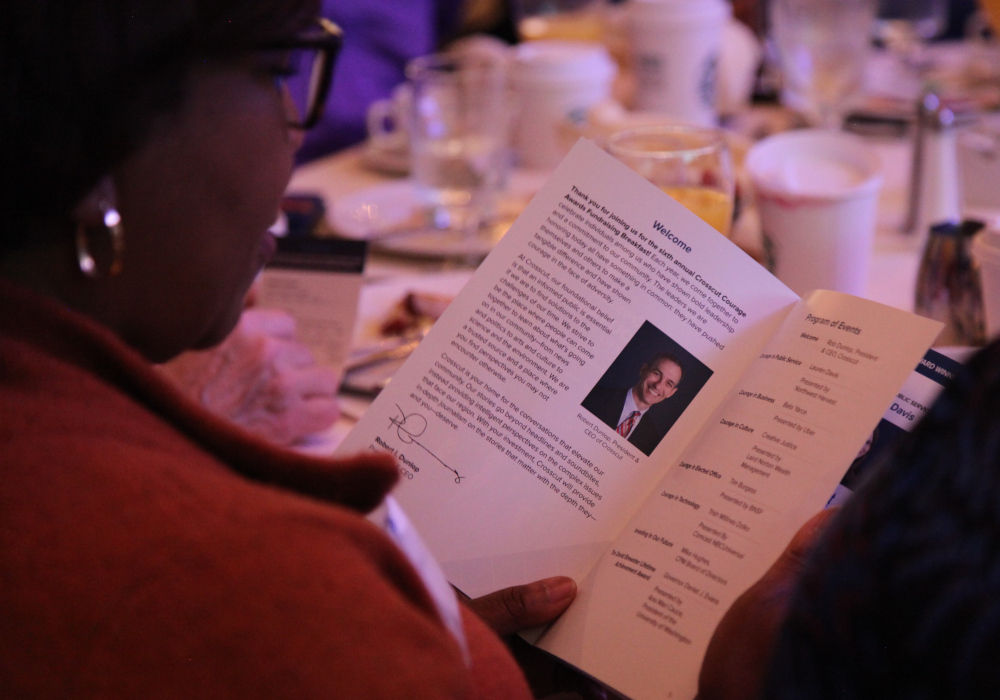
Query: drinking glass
{"x": 823, "y": 47}
{"x": 690, "y": 163}
{"x": 458, "y": 137}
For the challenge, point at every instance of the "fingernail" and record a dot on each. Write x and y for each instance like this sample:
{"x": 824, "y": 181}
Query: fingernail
{"x": 559, "y": 589}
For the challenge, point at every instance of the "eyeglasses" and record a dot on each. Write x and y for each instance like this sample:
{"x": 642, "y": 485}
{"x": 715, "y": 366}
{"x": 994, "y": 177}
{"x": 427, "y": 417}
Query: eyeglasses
{"x": 308, "y": 68}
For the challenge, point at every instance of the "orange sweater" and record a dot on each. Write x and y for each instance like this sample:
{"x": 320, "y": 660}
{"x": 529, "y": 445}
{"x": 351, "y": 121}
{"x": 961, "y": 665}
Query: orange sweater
{"x": 148, "y": 549}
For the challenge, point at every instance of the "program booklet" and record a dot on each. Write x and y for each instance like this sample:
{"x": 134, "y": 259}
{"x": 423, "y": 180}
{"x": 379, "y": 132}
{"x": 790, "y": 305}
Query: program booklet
{"x": 622, "y": 395}
{"x": 936, "y": 369}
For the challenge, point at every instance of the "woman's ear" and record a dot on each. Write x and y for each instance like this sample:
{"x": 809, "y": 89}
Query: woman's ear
{"x": 99, "y": 235}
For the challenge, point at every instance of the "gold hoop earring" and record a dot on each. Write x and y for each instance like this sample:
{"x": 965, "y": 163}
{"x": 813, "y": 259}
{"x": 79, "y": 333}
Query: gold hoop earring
{"x": 116, "y": 243}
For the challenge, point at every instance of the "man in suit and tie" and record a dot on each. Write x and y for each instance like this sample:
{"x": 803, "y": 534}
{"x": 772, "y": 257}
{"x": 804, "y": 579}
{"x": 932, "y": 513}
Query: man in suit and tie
{"x": 626, "y": 410}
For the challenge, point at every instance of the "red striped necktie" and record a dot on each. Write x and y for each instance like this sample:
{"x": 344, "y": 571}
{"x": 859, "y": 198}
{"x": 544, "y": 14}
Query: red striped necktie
{"x": 626, "y": 425}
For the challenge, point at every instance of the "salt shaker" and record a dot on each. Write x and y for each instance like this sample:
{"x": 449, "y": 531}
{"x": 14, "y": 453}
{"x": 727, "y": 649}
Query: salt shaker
{"x": 934, "y": 194}
{"x": 948, "y": 286}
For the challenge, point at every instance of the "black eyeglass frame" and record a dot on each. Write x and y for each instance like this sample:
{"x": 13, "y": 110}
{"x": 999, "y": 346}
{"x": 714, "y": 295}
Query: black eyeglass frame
{"x": 327, "y": 38}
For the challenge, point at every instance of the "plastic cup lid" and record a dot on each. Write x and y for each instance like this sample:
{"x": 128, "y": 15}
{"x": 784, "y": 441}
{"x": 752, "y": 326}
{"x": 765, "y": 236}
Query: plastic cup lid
{"x": 549, "y": 60}
{"x": 814, "y": 164}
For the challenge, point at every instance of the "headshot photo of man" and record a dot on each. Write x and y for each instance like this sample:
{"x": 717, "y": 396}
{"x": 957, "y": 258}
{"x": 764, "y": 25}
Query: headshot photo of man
{"x": 639, "y": 410}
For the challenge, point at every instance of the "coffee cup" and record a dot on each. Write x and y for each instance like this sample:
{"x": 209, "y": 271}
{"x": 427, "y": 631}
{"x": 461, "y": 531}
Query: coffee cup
{"x": 817, "y": 194}
{"x": 553, "y": 81}
{"x": 675, "y": 47}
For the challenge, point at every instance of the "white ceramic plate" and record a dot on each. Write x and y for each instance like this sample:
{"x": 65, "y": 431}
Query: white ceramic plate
{"x": 366, "y": 213}
{"x": 374, "y": 307}
{"x": 389, "y": 215}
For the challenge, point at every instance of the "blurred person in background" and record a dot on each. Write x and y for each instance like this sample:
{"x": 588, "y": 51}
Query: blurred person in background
{"x": 381, "y": 37}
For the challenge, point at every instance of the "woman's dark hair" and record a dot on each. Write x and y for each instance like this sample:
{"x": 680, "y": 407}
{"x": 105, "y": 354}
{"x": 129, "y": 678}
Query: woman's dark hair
{"x": 901, "y": 597}
{"x": 82, "y": 82}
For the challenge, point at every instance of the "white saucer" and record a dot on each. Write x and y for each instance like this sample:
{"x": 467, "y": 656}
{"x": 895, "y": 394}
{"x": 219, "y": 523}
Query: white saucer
{"x": 365, "y": 213}
{"x": 390, "y": 216}
{"x": 436, "y": 244}
{"x": 374, "y": 306}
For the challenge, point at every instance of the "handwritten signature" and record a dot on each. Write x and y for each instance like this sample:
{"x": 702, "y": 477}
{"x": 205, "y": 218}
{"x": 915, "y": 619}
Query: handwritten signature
{"x": 410, "y": 426}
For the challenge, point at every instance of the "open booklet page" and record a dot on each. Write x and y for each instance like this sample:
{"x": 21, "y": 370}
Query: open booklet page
{"x": 768, "y": 459}
{"x": 614, "y": 350}
{"x": 506, "y": 474}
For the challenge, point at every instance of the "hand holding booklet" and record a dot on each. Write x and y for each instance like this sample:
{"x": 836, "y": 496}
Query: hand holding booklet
{"x": 620, "y": 394}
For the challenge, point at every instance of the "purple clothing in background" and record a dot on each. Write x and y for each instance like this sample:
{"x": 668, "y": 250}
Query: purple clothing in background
{"x": 380, "y": 36}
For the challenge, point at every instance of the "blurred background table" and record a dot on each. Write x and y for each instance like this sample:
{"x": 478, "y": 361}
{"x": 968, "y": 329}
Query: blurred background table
{"x": 894, "y": 264}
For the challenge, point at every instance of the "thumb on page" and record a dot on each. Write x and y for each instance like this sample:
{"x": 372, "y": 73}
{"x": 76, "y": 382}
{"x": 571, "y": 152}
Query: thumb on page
{"x": 521, "y": 607}
{"x": 739, "y": 652}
